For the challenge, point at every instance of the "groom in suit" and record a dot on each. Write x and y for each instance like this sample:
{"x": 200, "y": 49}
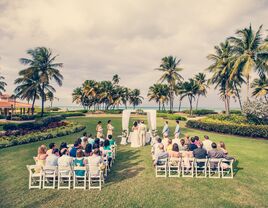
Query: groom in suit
{"x": 142, "y": 133}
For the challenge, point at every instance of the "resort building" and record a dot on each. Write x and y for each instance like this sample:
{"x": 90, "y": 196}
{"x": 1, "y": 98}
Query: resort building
{"x": 9, "y": 106}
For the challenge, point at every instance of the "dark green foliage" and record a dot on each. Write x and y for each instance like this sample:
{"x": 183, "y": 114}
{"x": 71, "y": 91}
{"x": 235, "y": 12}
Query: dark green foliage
{"x": 229, "y": 128}
{"x": 201, "y": 112}
{"x": 71, "y": 128}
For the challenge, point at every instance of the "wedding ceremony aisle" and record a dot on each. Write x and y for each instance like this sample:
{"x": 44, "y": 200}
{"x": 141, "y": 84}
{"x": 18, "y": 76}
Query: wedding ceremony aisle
{"x": 132, "y": 182}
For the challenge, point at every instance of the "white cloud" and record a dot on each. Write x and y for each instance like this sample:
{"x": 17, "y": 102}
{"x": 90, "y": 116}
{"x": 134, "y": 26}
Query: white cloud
{"x": 96, "y": 39}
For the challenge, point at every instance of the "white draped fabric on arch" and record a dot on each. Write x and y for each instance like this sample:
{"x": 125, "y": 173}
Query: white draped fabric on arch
{"x": 151, "y": 126}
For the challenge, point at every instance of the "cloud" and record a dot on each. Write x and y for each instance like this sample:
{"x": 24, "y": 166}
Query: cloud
{"x": 96, "y": 39}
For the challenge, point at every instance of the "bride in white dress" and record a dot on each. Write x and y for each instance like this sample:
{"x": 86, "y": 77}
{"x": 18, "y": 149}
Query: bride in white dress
{"x": 134, "y": 136}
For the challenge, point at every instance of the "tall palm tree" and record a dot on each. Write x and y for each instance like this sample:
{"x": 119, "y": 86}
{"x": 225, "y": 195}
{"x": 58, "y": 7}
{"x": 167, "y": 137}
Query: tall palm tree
{"x": 170, "y": 75}
{"x": 135, "y": 98}
{"x": 249, "y": 53}
{"x": 260, "y": 87}
{"x": 42, "y": 63}
{"x": 202, "y": 83}
{"x": 116, "y": 79}
{"x": 190, "y": 89}
{"x": 221, "y": 69}
{"x": 125, "y": 96}
{"x": 2, "y": 85}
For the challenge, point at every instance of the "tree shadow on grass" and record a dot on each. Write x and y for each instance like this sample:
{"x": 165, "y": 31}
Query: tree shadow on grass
{"x": 236, "y": 167}
{"x": 126, "y": 166}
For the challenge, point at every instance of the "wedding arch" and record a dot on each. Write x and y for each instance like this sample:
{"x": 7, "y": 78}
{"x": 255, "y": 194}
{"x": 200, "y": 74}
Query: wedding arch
{"x": 151, "y": 126}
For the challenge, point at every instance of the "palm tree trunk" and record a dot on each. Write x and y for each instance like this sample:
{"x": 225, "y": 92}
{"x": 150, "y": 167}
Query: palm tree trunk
{"x": 34, "y": 98}
{"x": 42, "y": 99}
{"x": 197, "y": 101}
{"x": 238, "y": 97}
{"x": 159, "y": 105}
{"x": 180, "y": 104}
{"x": 248, "y": 88}
{"x": 191, "y": 107}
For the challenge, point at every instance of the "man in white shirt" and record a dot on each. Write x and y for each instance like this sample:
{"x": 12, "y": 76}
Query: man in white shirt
{"x": 155, "y": 148}
{"x": 142, "y": 133}
{"x": 207, "y": 143}
{"x": 65, "y": 160}
{"x": 52, "y": 160}
{"x": 165, "y": 131}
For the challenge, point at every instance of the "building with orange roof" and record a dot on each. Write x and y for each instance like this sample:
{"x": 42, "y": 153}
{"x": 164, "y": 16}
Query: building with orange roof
{"x": 9, "y": 105}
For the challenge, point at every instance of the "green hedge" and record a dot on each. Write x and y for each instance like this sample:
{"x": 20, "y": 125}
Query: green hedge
{"x": 70, "y": 128}
{"x": 171, "y": 116}
{"x": 201, "y": 112}
{"x": 38, "y": 124}
{"x": 233, "y": 118}
{"x": 19, "y": 117}
{"x": 229, "y": 128}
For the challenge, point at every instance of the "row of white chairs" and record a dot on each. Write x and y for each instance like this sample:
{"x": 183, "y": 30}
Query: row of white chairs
{"x": 67, "y": 177}
{"x": 192, "y": 167}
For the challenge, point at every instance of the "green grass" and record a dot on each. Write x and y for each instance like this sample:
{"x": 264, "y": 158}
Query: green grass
{"x": 132, "y": 182}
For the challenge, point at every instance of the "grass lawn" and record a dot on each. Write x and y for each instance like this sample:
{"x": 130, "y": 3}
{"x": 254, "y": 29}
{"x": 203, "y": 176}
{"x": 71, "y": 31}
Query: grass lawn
{"x": 132, "y": 182}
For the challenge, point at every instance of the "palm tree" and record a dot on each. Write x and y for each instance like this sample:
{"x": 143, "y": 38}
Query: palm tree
{"x": 249, "y": 54}
{"x": 190, "y": 89}
{"x": 135, "y": 98}
{"x": 260, "y": 87}
{"x": 28, "y": 88}
{"x": 2, "y": 85}
{"x": 125, "y": 96}
{"x": 50, "y": 96}
{"x": 159, "y": 93}
{"x": 202, "y": 83}
{"x": 221, "y": 69}
{"x": 171, "y": 75}
{"x": 42, "y": 63}
{"x": 116, "y": 79}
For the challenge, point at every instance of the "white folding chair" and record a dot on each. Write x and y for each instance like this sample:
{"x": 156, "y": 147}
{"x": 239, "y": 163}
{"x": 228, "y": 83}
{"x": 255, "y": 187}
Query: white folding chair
{"x": 95, "y": 179}
{"x": 34, "y": 176}
{"x": 200, "y": 166}
{"x": 79, "y": 181}
{"x": 49, "y": 177}
{"x": 227, "y": 170}
{"x": 214, "y": 168}
{"x": 161, "y": 168}
{"x": 187, "y": 167}
{"x": 106, "y": 163}
{"x": 174, "y": 167}
{"x": 64, "y": 177}
{"x": 114, "y": 151}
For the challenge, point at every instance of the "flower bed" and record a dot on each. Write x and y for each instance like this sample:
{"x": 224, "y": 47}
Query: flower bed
{"x": 69, "y": 128}
{"x": 241, "y": 129}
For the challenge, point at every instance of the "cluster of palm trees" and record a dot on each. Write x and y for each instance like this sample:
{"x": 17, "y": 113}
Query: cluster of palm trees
{"x": 105, "y": 95}
{"x": 234, "y": 62}
{"x": 34, "y": 82}
{"x": 176, "y": 86}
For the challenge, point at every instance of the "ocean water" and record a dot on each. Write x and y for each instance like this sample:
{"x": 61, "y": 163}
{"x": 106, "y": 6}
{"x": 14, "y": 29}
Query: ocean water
{"x": 72, "y": 108}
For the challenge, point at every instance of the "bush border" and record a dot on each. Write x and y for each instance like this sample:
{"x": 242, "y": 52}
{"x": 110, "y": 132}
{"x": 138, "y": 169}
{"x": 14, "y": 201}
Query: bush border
{"x": 248, "y": 130}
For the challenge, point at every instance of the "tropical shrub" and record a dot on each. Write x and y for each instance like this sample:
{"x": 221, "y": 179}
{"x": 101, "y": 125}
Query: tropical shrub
{"x": 238, "y": 119}
{"x": 171, "y": 116}
{"x": 2, "y": 117}
{"x": 38, "y": 124}
{"x": 209, "y": 124}
{"x": 201, "y": 112}
{"x": 70, "y": 128}
{"x": 19, "y": 117}
{"x": 117, "y": 111}
{"x": 52, "y": 109}
{"x": 256, "y": 111}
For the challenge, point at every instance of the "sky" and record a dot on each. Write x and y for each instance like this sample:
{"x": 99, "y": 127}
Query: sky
{"x": 97, "y": 39}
